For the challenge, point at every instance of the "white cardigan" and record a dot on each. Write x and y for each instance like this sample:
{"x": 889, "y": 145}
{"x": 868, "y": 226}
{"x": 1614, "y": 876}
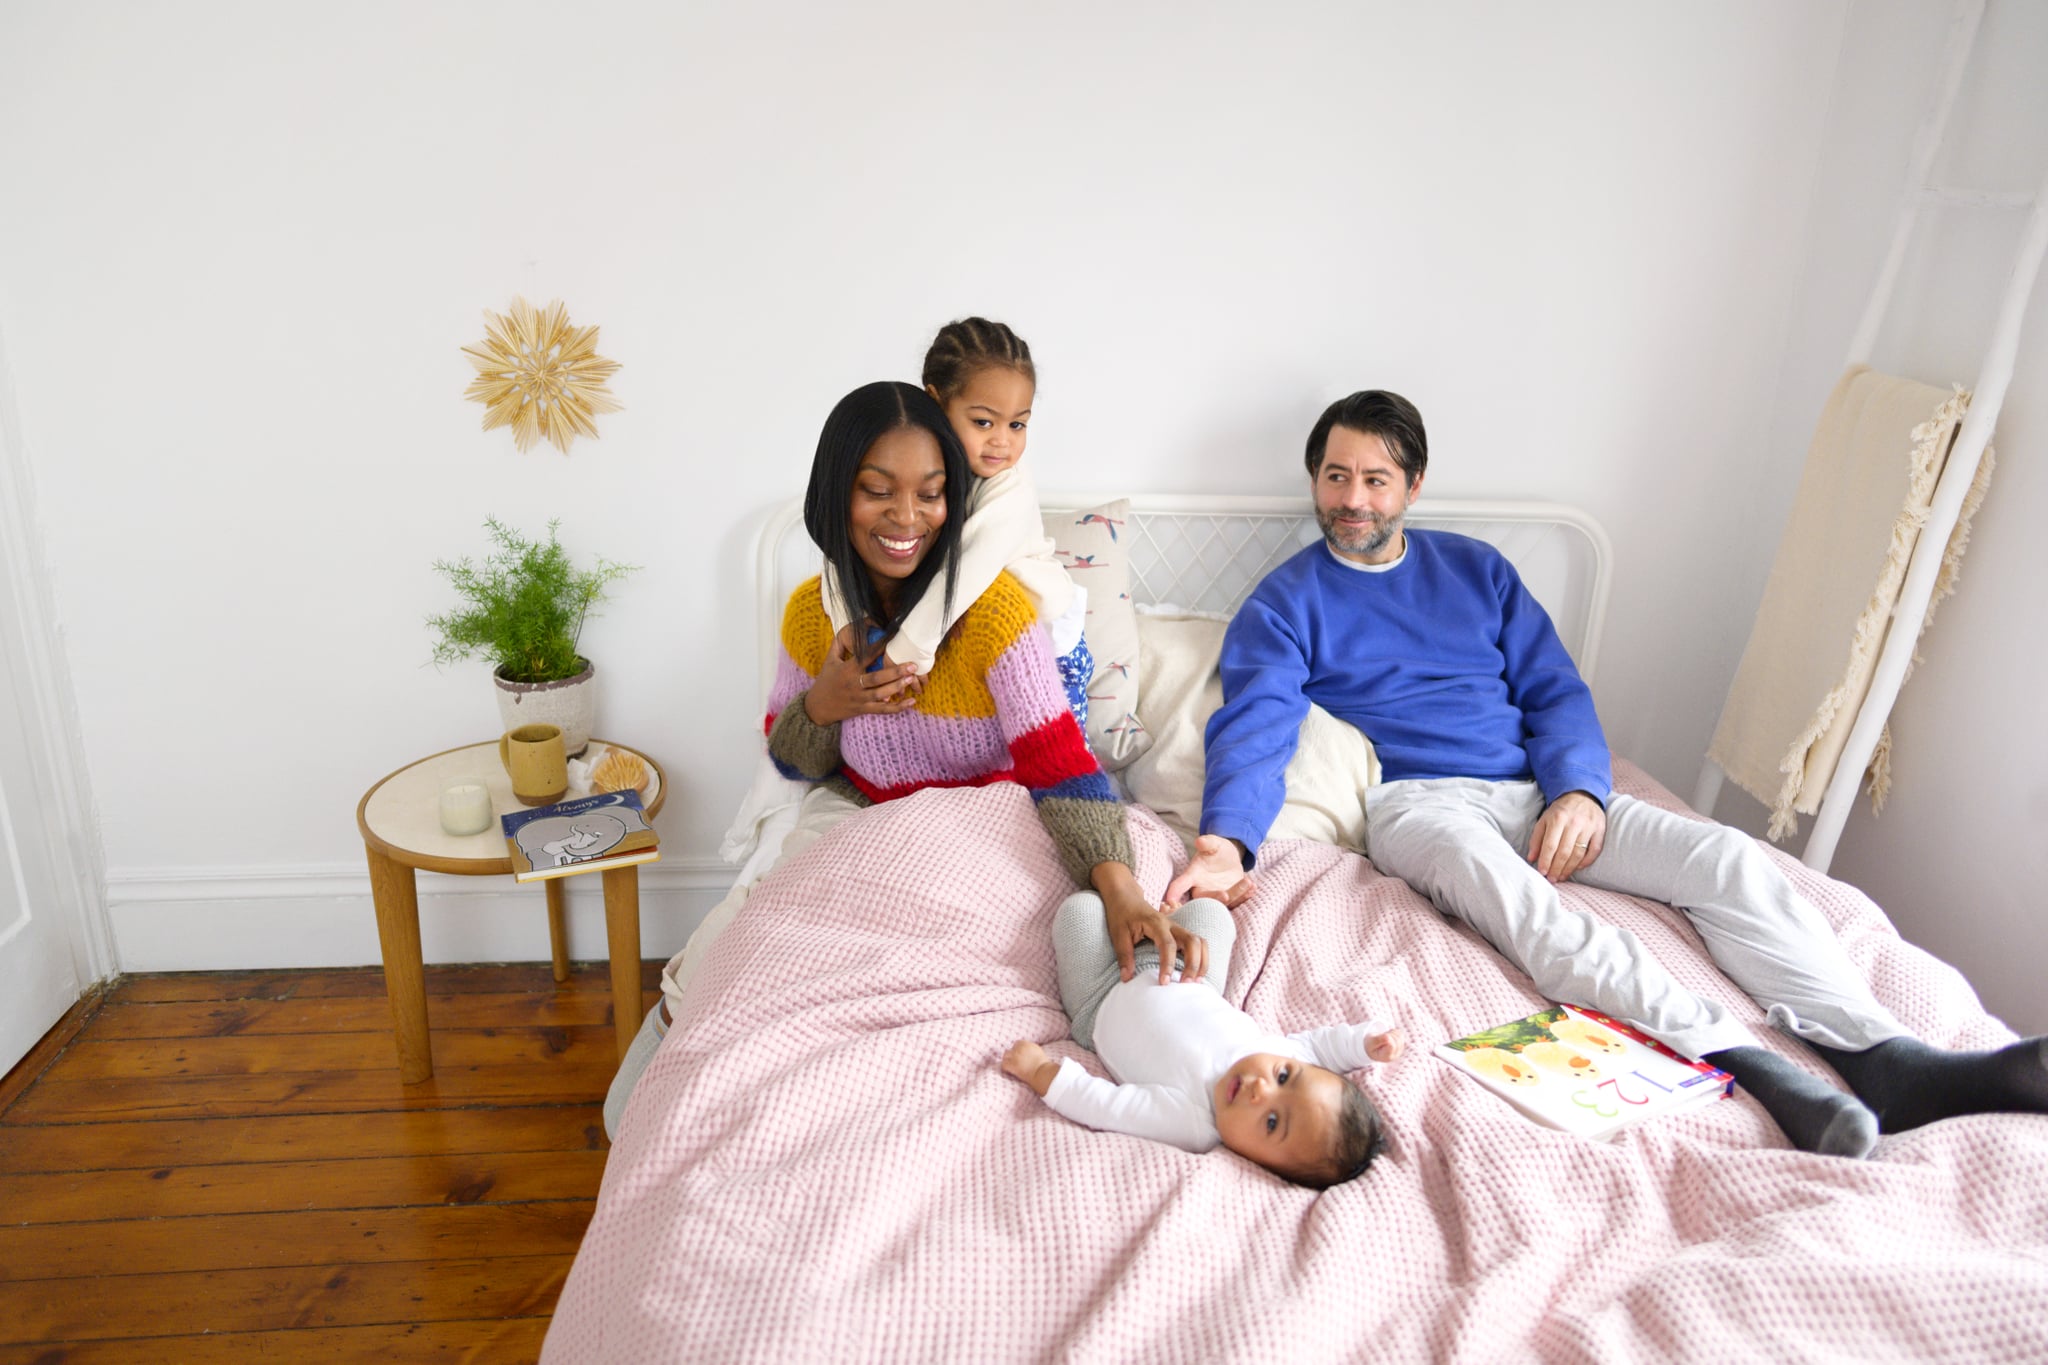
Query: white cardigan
{"x": 1004, "y": 530}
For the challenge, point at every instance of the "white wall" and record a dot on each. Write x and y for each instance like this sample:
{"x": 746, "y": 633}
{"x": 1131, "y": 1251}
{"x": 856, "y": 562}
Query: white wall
{"x": 240, "y": 246}
{"x": 1957, "y": 858}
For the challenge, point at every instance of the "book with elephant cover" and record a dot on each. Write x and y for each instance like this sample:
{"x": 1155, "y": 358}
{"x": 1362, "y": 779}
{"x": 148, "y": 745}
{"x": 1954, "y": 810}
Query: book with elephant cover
{"x": 588, "y": 834}
{"x": 1584, "y": 1073}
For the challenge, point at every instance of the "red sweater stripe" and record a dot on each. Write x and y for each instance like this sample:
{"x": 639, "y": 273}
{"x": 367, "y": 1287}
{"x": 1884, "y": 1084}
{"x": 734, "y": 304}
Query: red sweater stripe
{"x": 1049, "y": 754}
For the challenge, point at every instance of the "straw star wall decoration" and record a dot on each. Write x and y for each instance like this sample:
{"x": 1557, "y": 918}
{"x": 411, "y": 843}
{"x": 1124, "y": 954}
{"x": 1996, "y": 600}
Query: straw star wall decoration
{"x": 540, "y": 376}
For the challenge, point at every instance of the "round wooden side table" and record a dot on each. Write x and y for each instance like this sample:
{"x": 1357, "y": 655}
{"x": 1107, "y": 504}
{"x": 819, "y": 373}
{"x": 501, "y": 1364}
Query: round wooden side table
{"x": 400, "y": 820}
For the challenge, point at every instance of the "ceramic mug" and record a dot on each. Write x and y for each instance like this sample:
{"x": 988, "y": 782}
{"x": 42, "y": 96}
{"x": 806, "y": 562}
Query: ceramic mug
{"x": 533, "y": 756}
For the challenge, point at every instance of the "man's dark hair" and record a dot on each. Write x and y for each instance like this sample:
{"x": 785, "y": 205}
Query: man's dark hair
{"x": 1375, "y": 412}
{"x": 1359, "y": 1139}
{"x": 855, "y": 424}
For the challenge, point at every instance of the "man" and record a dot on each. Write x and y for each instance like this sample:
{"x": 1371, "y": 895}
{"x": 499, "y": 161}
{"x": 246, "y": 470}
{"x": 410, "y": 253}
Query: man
{"x": 1498, "y": 787}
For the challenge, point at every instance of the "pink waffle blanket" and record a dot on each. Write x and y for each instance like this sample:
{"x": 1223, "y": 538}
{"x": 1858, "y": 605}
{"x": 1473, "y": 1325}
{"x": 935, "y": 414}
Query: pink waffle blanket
{"x": 823, "y": 1161}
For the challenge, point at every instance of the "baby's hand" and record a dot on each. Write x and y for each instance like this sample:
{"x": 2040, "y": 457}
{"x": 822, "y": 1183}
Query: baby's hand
{"x": 1385, "y": 1047}
{"x": 1028, "y": 1062}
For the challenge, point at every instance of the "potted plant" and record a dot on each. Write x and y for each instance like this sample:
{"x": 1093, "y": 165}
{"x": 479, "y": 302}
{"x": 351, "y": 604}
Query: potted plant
{"x": 523, "y": 608}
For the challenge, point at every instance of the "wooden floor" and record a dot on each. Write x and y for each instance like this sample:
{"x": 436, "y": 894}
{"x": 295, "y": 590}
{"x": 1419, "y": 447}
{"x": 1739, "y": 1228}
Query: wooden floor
{"x": 224, "y": 1167}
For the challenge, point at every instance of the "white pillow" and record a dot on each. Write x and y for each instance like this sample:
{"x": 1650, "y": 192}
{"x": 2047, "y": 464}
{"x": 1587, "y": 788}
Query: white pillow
{"x": 766, "y": 815}
{"x": 1332, "y": 766}
{"x": 1091, "y": 546}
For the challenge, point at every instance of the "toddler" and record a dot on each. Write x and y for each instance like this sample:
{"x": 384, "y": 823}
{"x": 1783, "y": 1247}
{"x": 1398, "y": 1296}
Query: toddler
{"x": 1193, "y": 1070}
{"x": 981, "y": 374}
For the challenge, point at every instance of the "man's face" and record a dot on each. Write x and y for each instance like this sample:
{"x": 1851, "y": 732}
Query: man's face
{"x": 1361, "y": 496}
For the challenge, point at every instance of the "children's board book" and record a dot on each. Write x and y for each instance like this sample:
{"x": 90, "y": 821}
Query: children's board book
{"x": 1584, "y": 1073}
{"x": 589, "y": 834}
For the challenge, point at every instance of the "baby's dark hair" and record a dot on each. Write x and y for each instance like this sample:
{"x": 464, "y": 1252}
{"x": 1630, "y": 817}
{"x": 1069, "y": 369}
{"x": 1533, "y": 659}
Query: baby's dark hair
{"x": 963, "y": 349}
{"x": 1360, "y": 1137}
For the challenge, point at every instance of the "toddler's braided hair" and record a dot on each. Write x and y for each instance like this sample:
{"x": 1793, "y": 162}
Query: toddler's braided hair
{"x": 963, "y": 349}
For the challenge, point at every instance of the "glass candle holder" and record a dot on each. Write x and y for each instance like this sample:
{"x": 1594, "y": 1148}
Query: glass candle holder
{"x": 466, "y": 808}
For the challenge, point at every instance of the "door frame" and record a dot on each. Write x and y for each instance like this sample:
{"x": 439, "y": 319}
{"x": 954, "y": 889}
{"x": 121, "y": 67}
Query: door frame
{"x": 57, "y": 838}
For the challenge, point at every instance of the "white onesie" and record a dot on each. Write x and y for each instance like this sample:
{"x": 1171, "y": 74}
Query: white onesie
{"x": 1167, "y": 1046}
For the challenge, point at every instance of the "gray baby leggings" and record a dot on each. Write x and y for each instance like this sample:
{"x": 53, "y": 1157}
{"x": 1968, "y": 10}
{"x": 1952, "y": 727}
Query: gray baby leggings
{"x": 1087, "y": 963}
{"x": 1460, "y": 841}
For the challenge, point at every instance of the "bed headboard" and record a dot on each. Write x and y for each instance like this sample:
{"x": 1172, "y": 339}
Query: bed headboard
{"x": 1207, "y": 551}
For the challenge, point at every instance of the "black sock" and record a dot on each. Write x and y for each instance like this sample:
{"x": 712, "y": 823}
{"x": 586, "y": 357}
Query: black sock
{"x": 1909, "y": 1083}
{"x": 1815, "y": 1115}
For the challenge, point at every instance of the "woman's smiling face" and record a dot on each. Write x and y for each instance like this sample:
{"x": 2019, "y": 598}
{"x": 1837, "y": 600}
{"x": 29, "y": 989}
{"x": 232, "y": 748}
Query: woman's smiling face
{"x": 899, "y": 503}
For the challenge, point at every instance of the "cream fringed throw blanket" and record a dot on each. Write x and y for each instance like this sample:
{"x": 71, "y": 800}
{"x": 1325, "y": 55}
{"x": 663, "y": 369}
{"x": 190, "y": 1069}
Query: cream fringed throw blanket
{"x": 1863, "y": 498}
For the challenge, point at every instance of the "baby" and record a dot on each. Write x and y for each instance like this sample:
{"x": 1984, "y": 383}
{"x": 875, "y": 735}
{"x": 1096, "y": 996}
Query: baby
{"x": 1193, "y": 1070}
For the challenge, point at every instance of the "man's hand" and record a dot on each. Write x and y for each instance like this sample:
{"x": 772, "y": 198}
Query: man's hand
{"x": 1028, "y": 1062}
{"x": 1568, "y": 836}
{"x": 1385, "y": 1047}
{"x": 1216, "y": 871}
{"x": 1133, "y": 919}
{"x": 845, "y": 688}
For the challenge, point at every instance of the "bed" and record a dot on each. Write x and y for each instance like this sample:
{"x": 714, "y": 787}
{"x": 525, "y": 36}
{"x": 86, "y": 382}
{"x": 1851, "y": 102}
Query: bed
{"x": 823, "y": 1162}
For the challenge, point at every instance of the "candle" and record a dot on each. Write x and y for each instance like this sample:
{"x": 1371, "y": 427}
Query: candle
{"x": 466, "y": 808}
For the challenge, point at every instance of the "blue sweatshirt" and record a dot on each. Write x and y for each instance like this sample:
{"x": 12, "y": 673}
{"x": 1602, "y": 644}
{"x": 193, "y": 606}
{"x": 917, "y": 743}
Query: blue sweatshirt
{"x": 1445, "y": 661}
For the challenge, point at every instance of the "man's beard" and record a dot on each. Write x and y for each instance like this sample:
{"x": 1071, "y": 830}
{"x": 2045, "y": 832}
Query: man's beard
{"x": 1368, "y": 539}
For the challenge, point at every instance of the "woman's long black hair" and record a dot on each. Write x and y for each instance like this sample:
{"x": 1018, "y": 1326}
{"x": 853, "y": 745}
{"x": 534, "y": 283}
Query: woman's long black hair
{"x": 857, "y": 422}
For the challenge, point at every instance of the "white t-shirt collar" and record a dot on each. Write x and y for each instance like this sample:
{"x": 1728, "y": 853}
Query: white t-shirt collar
{"x": 1357, "y": 567}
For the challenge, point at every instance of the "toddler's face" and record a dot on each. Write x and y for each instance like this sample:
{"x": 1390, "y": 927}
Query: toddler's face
{"x": 989, "y": 415}
{"x": 1279, "y": 1112}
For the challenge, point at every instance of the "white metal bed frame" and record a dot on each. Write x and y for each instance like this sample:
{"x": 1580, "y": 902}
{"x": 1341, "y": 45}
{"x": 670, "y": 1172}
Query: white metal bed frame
{"x": 1207, "y": 551}
{"x": 1989, "y": 395}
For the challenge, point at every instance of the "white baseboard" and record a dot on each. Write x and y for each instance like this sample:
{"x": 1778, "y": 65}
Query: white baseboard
{"x": 320, "y": 915}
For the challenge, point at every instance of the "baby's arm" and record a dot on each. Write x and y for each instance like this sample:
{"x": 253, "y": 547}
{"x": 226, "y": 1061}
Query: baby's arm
{"x": 1352, "y": 1047}
{"x": 1028, "y": 1062}
{"x": 1146, "y": 1111}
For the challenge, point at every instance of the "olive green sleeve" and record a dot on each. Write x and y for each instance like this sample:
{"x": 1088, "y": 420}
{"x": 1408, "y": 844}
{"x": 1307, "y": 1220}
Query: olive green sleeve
{"x": 796, "y": 741}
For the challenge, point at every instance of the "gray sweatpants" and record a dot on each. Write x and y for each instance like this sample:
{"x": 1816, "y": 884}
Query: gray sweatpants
{"x": 1087, "y": 962}
{"x": 1459, "y": 841}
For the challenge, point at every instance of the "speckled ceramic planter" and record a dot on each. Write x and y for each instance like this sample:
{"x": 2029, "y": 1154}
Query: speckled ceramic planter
{"x": 570, "y": 703}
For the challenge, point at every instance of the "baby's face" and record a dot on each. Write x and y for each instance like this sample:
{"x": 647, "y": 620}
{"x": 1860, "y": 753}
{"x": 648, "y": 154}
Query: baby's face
{"x": 990, "y": 415}
{"x": 1279, "y": 1112}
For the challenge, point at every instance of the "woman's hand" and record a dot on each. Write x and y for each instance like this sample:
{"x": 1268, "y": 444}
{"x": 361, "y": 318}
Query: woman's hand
{"x": 1028, "y": 1062}
{"x": 846, "y": 688}
{"x": 1133, "y": 919}
{"x": 1568, "y": 836}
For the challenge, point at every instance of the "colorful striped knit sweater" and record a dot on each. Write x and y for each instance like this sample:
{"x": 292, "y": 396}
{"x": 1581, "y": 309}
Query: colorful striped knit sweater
{"x": 992, "y": 710}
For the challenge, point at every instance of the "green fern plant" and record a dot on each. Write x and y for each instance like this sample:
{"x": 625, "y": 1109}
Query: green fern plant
{"x": 523, "y": 607}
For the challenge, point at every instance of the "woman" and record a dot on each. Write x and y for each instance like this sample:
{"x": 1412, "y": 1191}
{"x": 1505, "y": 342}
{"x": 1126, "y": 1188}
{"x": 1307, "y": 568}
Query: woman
{"x": 886, "y": 500}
